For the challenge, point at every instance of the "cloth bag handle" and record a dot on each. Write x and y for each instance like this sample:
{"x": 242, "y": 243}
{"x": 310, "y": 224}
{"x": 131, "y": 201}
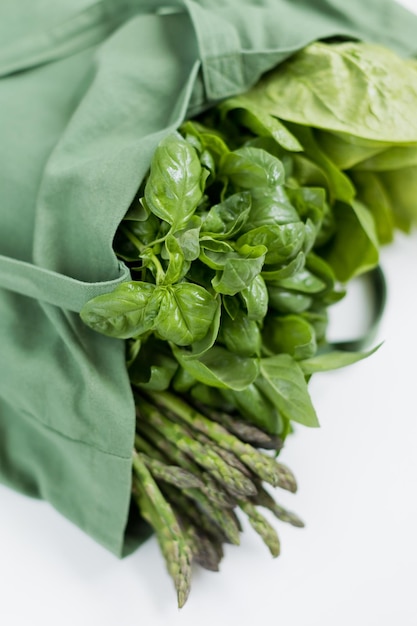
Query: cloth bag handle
{"x": 48, "y": 286}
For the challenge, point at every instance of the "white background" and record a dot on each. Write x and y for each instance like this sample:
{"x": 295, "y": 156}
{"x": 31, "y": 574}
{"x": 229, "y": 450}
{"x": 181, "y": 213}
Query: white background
{"x": 355, "y": 563}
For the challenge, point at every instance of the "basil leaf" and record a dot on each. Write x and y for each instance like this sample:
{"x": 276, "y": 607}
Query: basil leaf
{"x": 252, "y": 167}
{"x": 241, "y": 335}
{"x": 285, "y": 271}
{"x": 189, "y": 238}
{"x": 198, "y": 348}
{"x": 173, "y": 189}
{"x": 289, "y": 334}
{"x": 333, "y": 360}
{"x": 219, "y": 368}
{"x": 224, "y": 220}
{"x": 282, "y": 381}
{"x": 285, "y": 301}
{"x": 186, "y": 313}
{"x": 177, "y": 266}
{"x": 270, "y": 207}
{"x": 239, "y": 270}
{"x": 255, "y": 297}
{"x": 303, "y": 282}
{"x": 129, "y": 311}
{"x": 215, "y": 253}
{"x": 283, "y": 242}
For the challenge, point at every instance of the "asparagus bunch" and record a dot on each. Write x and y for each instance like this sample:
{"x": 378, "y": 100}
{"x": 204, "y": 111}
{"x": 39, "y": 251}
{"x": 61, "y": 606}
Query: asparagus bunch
{"x": 193, "y": 472}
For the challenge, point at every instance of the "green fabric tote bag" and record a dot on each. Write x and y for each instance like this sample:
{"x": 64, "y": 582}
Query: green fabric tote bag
{"x": 87, "y": 90}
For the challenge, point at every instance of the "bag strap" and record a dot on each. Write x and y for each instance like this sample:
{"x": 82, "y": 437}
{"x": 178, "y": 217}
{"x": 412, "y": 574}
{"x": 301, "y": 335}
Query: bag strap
{"x": 378, "y": 301}
{"x": 57, "y": 289}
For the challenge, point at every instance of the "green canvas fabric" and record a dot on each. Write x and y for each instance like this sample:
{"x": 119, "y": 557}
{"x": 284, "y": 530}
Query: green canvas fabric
{"x": 86, "y": 93}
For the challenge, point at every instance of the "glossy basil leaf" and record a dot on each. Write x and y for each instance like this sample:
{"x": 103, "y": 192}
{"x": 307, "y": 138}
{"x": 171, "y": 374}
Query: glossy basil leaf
{"x": 255, "y": 297}
{"x": 215, "y": 144}
{"x": 333, "y": 360}
{"x": 289, "y": 334}
{"x": 309, "y": 202}
{"x": 177, "y": 265}
{"x": 303, "y": 282}
{"x": 241, "y": 335}
{"x": 284, "y": 271}
{"x": 208, "y": 163}
{"x": 151, "y": 261}
{"x": 226, "y": 219}
{"x": 283, "y": 242}
{"x": 252, "y": 167}
{"x": 186, "y": 313}
{"x": 284, "y": 301}
{"x": 260, "y": 122}
{"x": 174, "y": 186}
{"x": 215, "y": 253}
{"x": 270, "y": 207}
{"x": 189, "y": 238}
{"x": 282, "y": 381}
{"x": 128, "y": 311}
{"x": 219, "y": 368}
{"x": 198, "y": 348}
{"x": 239, "y": 270}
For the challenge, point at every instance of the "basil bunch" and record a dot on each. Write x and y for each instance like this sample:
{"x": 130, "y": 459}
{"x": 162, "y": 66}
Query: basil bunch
{"x": 230, "y": 292}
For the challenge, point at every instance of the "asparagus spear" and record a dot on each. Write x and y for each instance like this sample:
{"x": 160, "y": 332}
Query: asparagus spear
{"x": 212, "y": 489}
{"x": 156, "y": 510}
{"x": 187, "y": 508}
{"x": 232, "y": 479}
{"x": 264, "y": 466}
{"x": 171, "y": 474}
{"x": 204, "y": 538}
{"x": 263, "y": 498}
{"x": 244, "y": 430}
{"x": 262, "y": 527}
